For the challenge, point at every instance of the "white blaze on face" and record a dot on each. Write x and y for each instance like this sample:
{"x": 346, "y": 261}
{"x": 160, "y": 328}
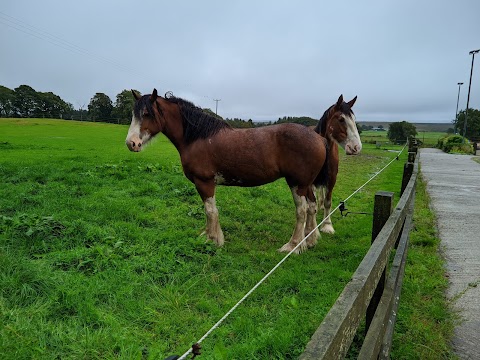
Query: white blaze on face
{"x": 353, "y": 144}
{"x": 135, "y": 139}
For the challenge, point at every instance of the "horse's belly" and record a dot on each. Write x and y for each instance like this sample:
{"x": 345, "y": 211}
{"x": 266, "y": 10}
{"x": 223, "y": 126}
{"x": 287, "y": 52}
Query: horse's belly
{"x": 247, "y": 178}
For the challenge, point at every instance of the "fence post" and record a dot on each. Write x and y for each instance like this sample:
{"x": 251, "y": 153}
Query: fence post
{"x": 412, "y": 144}
{"x": 407, "y": 174}
{"x": 382, "y": 209}
{"x": 411, "y": 157}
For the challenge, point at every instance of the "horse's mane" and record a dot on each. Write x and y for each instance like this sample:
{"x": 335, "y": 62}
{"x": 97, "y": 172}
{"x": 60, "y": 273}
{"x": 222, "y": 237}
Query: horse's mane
{"x": 321, "y": 127}
{"x": 144, "y": 102}
{"x": 197, "y": 124}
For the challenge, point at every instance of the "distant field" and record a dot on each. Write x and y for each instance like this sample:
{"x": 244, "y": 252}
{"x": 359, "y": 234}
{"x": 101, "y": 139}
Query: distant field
{"x": 101, "y": 258}
{"x": 428, "y": 127}
{"x": 429, "y": 139}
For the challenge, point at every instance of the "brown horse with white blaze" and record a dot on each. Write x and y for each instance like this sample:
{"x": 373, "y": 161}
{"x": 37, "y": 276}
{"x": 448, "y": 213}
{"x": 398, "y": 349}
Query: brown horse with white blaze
{"x": 213, "y": 153}
{"x": 338, "y": 127}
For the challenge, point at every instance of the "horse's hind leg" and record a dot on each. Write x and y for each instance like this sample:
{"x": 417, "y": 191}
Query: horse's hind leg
{"x": 320, "y": 197}
{"x": 327, "y": 226}
{"x": 311, "y": 224}
{"x": 299, "y": 197}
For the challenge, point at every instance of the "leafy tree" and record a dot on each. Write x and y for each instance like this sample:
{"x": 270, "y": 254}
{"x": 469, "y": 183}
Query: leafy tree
{"x": 52, "y": 106}
{"x": 25, "y": 101}
{"x": 6, "y": 101}
{"x": 100, "y": 107}
{"x": 124, "y": 106}
{"x": 401, "y": 131}
{"x": 304, "y": 120}
{"x": 239, "y": 123}
{"x": 359, "y": 128}
{"x": 210, "y": 112}
{"x": 473, "y": 123}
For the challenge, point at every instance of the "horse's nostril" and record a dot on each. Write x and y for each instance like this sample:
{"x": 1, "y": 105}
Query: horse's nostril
{"x": 139, "y": 144}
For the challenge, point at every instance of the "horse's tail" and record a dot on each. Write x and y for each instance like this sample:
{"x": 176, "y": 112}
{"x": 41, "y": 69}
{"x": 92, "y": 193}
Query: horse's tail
{"x": 322, "y": 177}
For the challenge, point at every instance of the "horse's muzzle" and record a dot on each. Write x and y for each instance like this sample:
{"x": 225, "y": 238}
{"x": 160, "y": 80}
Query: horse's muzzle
{"x": 134, "y": 145}
{"x": 353, "y": 149}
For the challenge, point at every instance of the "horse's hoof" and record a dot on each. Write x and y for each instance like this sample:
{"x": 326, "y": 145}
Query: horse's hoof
{"x": 313, "y": 236}
{"x": 219, "y": 240}
{"x": 327, "y": 229}
{"x": 312, "y": 243}
{"x": 288, "y": 247}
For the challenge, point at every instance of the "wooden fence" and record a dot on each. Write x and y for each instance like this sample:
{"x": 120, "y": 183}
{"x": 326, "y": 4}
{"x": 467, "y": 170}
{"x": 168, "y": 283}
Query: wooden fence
{"x": 370, "y": 293}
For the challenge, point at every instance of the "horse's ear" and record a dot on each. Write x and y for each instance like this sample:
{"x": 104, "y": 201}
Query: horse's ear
{"x": 154, "y": 96}
{"x": 339, "y": 101}
{"x": 351, "y": 102}
{"x": 135, "y": 95}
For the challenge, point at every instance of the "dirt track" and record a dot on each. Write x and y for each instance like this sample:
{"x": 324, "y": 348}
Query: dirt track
{"x": 453, "y": 183}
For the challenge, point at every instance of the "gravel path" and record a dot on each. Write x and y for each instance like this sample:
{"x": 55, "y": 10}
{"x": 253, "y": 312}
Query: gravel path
{"x": 453, "y": 183}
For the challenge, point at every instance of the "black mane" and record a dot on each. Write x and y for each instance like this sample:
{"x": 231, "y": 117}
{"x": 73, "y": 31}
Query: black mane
{"x": 197, "y": 124}
{"x": 321, "y": 127}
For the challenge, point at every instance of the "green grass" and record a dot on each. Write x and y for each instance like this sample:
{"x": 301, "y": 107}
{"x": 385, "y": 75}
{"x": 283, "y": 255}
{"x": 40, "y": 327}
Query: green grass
{"x": 425, "y": 320}
{"x": 101, "y": 258}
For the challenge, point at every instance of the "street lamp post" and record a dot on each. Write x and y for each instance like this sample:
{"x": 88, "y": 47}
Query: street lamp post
{"x": 473, "y": 52}
{"x": 458, "y": 98}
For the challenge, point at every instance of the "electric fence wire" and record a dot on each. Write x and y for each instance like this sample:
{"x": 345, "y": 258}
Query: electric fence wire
{"x": 232, "y": 309}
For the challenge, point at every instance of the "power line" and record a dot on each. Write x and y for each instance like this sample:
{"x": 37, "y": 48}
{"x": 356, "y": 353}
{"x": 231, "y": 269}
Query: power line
{"x": 43, "y": 35}
{"x": 38, "y": 33}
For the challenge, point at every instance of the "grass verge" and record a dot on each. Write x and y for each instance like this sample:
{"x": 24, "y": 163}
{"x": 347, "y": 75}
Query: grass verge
{"x": 425, "y": 319}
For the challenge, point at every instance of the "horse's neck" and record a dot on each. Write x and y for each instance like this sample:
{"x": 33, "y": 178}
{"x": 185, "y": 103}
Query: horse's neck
{"x": 173, "y": 125}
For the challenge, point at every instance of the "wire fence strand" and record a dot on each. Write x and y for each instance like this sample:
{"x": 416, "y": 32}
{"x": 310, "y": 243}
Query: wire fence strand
{"x": 232, "y": 309}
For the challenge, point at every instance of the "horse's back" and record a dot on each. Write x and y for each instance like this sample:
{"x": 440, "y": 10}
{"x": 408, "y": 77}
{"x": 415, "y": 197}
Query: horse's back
{"x": 296, "y": 152}
{"x": 252, "y": 157}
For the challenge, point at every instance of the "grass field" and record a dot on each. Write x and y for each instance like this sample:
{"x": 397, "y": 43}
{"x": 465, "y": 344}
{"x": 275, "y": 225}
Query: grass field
{"x": 101, "y": 258}
{"x": 429, "y": 139}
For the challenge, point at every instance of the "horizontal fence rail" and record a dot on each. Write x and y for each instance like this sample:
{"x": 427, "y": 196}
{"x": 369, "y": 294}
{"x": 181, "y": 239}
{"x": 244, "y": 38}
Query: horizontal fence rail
{"x": 335, "y": 334}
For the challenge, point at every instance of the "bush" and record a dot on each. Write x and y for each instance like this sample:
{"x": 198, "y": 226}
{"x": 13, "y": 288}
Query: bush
{"x": 455, "y": 144}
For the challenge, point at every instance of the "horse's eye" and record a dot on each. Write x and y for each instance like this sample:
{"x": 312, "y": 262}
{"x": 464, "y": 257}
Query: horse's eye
{"x": 342, "y": 119}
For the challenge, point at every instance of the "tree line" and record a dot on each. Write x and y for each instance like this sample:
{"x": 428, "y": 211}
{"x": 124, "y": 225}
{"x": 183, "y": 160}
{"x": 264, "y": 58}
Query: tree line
{"x": 26, "y": 102}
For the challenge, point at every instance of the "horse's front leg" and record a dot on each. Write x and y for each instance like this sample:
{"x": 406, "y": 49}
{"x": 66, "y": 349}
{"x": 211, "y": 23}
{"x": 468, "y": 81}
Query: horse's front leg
{"x": 213, "y": 230}
{"x": 327, "y": 226}
{"x": 300, "y": 200}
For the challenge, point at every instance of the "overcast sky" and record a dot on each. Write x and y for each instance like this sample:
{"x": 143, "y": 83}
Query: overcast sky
{"x": 263, "y": 59}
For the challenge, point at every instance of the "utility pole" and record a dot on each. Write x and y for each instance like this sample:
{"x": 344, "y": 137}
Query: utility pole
{"x": 458, "y": 98}
{"x": 216, "y": 104}
{"x": 473, "y": 52}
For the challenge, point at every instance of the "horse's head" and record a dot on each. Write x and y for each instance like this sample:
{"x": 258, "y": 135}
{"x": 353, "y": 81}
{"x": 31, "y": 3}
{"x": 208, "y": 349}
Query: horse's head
{"x": 338, "y": 124}
{"x": 146, "y": 121}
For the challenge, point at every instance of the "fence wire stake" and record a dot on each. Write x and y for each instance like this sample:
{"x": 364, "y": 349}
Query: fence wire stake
{"x": 196, "y": 350}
